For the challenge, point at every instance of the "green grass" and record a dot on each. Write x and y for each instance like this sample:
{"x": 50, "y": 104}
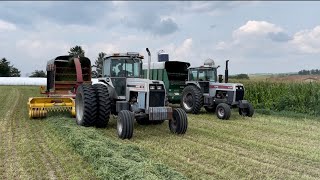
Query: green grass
{"x": 28, "y": 148}
{"x": 111, "y": 158}
{"x": 262, "y": 147}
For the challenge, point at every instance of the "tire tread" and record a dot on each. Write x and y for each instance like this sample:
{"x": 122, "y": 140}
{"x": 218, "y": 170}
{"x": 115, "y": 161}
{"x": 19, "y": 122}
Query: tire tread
{"x": 90, "y": 105}
{"x": 104, "y": 105}
{"x": 198, "y": 99}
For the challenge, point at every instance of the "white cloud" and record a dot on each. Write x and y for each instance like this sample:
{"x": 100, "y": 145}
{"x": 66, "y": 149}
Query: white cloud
{"x": 256, "y": 28}
{"x": 6, "y": 26}
{"x": 36, "y": 48}
{"x": 34, "y": 53}
{"x": 266, "y": 47}
{"x": 209, "y": 7}
{"x": 307, "y": 41}
{"x": 94, "y": 49}
{"x": 259, "y": 38}
{"x": 119, "y": 3}
{"x": 182, "y": 52}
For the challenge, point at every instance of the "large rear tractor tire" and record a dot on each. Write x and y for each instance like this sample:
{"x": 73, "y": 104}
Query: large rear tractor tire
{"x": 86, "y": 105}
{"x": 179, "y": 122}
{"x": 249, "y": 111}
{"x": 104, "y": 105}
{"x": 192, "y": 99}
{"x": 223, "y": 111}
{"x": 125, "y": 124}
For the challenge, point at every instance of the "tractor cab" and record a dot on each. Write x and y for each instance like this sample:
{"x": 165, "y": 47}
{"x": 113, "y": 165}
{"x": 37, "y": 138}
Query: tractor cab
{"x": 203, "y": 76}
{"x": 120, "y": 66}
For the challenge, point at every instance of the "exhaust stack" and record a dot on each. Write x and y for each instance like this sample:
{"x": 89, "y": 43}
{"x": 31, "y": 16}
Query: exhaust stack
{"x": 149, "y": 61}
{"x": 226, "y": 75}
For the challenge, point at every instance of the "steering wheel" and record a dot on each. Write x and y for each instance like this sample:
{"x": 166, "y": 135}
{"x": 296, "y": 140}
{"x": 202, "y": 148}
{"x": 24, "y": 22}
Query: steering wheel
{"x": 129, "y": 73}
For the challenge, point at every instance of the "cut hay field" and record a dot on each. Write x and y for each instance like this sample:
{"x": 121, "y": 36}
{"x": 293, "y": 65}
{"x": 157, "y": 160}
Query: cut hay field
{"x": 262, "y": 147}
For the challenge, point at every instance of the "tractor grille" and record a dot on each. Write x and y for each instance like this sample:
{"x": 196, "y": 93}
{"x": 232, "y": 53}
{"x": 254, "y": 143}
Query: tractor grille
{"x": 156, "y": 98}
{"x": 239, "y": 93}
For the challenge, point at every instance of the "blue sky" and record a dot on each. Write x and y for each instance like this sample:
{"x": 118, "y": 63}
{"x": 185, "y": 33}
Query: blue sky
{"x": 257, "y": 37}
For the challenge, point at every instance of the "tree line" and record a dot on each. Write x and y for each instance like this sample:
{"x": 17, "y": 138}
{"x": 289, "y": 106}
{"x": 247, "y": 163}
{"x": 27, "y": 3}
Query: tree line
{"x": 239, "y": 76}
{"x": 8, "y": 70}
{"x": 309, "y": 72}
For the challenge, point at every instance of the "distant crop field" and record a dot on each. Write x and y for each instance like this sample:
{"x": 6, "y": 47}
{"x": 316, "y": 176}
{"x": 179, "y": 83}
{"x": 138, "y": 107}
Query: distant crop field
{"x": 262, "y": 147}
{"x": 283, "y": 78}
{"x": 300, "y": 97}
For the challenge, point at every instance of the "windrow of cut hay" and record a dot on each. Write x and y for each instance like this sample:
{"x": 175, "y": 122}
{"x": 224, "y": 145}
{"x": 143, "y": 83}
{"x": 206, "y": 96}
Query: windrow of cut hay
{"x": 111, "y": 159}
{"x": 300, "y": 97}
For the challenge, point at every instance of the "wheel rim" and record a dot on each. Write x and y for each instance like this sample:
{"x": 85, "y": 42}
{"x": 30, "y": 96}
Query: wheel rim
{"x": 221, "y": 112}
{"x": 119, "y": 127}
{"x": 188, "y": 101}
{"x": 243, "y": 111}
{"x": 79, "y": 107}
{"x": 173, "y": 124}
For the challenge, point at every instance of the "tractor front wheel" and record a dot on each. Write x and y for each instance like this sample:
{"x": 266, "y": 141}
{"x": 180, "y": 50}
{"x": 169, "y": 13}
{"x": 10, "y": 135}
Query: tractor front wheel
{"x": 248, "y": 111}
{"x": 179, "y": 122}
{"x": 125, "y": 124}
{"x": 223, "y": 111}
{"x": 86, "y": 105}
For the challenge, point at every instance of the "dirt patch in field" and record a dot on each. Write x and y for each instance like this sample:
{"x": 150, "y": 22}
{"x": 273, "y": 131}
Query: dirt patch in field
{"x": 296, "y": 78}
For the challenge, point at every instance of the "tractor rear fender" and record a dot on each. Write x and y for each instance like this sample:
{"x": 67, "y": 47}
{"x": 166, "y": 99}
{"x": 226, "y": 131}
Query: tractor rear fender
{"x": 193, "y": 83}
{"x": 110, "y": 87}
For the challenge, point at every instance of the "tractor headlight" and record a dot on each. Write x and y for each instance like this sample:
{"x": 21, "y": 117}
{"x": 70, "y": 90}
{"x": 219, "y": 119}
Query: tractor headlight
{"x": 159, "y": 87}
{"x": 152, "y": 87}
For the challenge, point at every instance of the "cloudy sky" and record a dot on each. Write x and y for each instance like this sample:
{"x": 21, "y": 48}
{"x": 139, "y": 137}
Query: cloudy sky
{"x": 257, "y": 37}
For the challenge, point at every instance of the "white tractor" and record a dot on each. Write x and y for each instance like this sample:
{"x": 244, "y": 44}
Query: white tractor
{"x": 205, "y": 90}
{"x": 122, "y": 91}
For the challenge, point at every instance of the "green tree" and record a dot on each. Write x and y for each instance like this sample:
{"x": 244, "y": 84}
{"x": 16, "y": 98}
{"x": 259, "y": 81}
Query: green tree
{"x": 7, "y": 70}
{"x": 98, "y": 65}
{"x": 38, "y": 73}
{"x": 14, "y": 72}
{"x": 76, "y": 51}
{"x": 240, "y": 76}
{"x": 4, "y": 68}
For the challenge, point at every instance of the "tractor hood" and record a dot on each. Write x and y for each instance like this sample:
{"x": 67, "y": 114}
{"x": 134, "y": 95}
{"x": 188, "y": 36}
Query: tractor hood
{"x": 141, "y": 84}
{"x": 226, "y": 86}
